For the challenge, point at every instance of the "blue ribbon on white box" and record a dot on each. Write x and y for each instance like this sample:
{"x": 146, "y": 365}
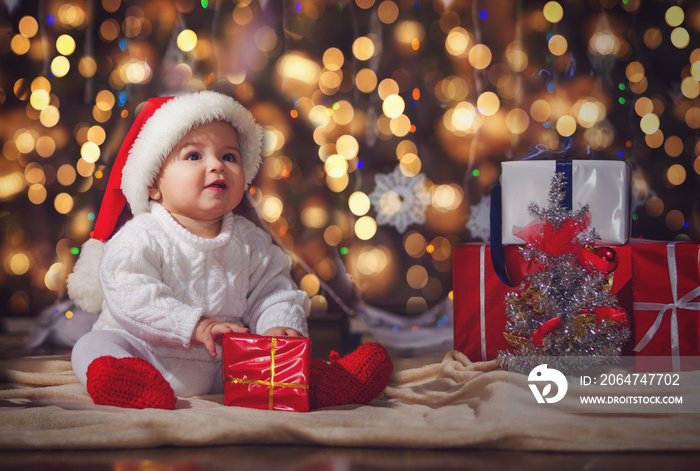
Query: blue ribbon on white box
{"x": 563, "y": 164}
{"x": 565, "y": 167}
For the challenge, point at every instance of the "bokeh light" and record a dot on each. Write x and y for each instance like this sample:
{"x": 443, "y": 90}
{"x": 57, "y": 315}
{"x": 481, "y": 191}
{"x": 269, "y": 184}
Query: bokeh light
{"x": 553, "y": 12}
{"x": 336, "y": 166}
{"x": 446, "y": 198}
{"x": 49, "y": 116}
{"x": 310, "y": 284}
{"x": 28, "y": 26}
{"x": 20, "y": 44}
{"x": 690, "y": 88}
{"x": 558, "y": 45}
{"x": 359, "y": 203}
{"x": 680, "y": 37}
{"x": 366, "y": 80}
{"x": 517, "y": 56}
{"x": 417, "y": 277}
{"x": 387, "y": 87}
{"x": 517, "y": 121}
{"x": 674, "y": 16}
{"x": 388, "y": 12}
{"x": 333, "y": 235}
{"x": 272, "y": 208}
{"x": 365, "y": 228}
{"x": 676, "y": 174}
{"x": 410, "y": 164}
{"x": 60, "y": 66}
{"x": 19, "y": 263}
{"x": 540, "y": 110}
{"x": 414, "y": 243}
{"x": 649, "y": 123}
{"x": 65, "y": 44}
{"x": 393, "y": 106}
{"x": 333, "y": 59}
{"x": 314, "y": 217}
{"x": 90, "y": 152}
{"x": 187, "y": 40}
{"x": 363, "y": 48}
{"x": 675, "y": 220}
{"x": 480, "y": 56}
{"x": 457, "y": 42}
{"x": 566, "y": 125}
{"x": 63, "y": 203}
{"x": 40, "y": 99}
{"x": 488, "y": 103}
{"x": 409, "y": 33}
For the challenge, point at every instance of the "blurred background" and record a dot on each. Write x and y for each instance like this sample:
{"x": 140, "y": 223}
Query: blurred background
{"x": 385, "y": 125}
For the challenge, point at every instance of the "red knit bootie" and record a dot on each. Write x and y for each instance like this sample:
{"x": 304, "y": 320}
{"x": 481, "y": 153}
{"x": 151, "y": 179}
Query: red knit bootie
{"x": 128, "y": 382}
{"x": 357, "y": 378}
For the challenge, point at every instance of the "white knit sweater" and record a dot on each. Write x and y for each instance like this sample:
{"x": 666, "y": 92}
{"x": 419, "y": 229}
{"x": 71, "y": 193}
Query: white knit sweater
{"x": 159, "y": 279}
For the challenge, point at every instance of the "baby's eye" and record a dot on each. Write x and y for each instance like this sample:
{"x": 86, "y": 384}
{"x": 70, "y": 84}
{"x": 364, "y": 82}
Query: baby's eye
{"x": 193, "y": 156}
{"x": 230, "y": 157}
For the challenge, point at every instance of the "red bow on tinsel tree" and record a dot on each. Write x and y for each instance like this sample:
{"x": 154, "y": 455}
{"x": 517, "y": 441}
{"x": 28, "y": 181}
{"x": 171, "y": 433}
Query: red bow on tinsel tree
{"x": 542, "y": 234}
{"x": 612, "y": 313}
{"x": 544, "y": 329}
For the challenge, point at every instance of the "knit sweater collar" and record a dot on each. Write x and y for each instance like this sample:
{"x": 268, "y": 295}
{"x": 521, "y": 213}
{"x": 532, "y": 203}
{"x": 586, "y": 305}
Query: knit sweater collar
{"x": 172, "y": 227}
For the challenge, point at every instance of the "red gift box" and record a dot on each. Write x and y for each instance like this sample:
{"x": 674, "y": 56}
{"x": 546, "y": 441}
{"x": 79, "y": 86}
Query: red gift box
{"x": 666, "y": 286}
{"x": 479, "y": 295}
{"x": 264, "y": 372}
{"x": 622, "y": 285}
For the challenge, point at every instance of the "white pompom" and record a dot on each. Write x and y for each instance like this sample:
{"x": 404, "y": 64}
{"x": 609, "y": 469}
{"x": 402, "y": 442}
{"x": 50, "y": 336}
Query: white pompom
{"x": 84, "y": 283}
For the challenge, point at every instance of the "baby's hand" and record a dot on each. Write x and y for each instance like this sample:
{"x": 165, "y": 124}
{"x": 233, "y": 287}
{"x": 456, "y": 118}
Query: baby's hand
{"x": 282, "y": 332}
{"x": 209, "y": 332}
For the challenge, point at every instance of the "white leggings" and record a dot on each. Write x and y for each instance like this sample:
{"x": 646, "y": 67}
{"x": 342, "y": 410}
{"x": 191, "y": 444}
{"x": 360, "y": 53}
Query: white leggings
{"x": 186, "y": 377}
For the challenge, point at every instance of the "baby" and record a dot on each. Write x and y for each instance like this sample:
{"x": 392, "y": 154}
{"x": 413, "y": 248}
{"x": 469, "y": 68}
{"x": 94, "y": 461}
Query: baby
{"x": 185, "y": 270}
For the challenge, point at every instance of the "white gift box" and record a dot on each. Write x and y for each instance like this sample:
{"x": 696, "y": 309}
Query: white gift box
{"x": 602, "y": 184}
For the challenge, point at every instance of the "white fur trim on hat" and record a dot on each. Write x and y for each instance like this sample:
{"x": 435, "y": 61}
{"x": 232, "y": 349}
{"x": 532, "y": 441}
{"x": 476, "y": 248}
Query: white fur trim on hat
{"x": 169, "y": 124}
{"x": 84, "y": 283}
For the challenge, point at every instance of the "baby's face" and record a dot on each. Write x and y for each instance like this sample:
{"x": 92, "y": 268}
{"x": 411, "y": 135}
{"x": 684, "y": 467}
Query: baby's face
{"x": 202, "y": 179}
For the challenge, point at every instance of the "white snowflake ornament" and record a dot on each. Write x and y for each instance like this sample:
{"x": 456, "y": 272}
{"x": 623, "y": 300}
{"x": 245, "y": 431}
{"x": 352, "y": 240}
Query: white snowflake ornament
{"x": 479, "y": 223}
{"x": 400, "y": 200}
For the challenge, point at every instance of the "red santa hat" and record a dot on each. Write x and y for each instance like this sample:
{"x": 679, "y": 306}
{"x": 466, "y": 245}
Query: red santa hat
{"x": 158, "y": 128}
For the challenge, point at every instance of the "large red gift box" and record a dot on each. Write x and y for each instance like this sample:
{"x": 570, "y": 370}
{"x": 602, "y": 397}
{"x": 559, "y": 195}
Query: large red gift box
{"x": 666, "y": 285}
{"x": 479, "y": 296}
{"x": 264, "y": 372}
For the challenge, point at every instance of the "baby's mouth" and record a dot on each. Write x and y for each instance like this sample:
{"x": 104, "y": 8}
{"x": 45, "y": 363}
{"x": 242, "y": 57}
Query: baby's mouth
{"x": 218, "y": 184}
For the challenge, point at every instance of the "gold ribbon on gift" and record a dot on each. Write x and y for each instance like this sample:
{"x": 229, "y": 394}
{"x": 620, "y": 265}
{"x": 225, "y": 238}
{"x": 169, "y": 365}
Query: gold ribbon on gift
{"x": 272, "y": 384}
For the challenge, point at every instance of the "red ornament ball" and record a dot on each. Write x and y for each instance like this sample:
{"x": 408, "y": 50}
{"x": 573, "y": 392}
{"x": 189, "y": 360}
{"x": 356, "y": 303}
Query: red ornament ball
{"x": 609, "y": 256}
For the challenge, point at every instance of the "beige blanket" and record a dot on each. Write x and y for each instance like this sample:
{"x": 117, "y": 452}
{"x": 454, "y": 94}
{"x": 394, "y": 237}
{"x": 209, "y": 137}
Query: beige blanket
{"x": 439, "y": 401}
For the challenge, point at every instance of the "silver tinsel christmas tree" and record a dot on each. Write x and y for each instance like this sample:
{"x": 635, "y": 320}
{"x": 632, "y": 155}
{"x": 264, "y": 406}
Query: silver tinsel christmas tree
{"x": 564, "y": 306}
